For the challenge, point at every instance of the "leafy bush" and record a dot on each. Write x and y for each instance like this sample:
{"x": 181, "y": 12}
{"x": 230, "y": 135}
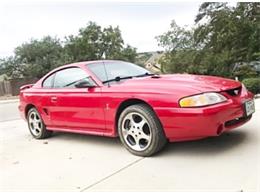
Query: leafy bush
{"x": 252, "y": 84}
{"x": 245, "y": 71}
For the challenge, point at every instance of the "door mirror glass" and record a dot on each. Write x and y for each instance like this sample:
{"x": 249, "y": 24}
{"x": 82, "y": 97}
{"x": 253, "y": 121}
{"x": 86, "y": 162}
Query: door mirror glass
{"x": 85, "y": 83}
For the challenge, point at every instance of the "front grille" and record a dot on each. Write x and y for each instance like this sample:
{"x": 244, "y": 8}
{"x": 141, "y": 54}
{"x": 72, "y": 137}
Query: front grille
{"x": 237, "y": 121}
{"x": 234, "y": 92}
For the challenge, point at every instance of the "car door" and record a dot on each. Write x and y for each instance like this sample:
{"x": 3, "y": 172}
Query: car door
{"x": 49, "y": 107}
{"x": 76, "y": 108}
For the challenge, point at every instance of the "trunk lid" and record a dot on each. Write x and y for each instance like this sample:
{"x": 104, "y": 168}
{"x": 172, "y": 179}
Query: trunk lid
{"x": 26, "y": 87}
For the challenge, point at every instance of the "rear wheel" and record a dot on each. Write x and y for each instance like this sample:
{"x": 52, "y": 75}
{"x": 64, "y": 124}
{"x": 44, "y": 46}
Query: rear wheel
{"x": 140, "y": 130}
{"x": 36, "y": 125}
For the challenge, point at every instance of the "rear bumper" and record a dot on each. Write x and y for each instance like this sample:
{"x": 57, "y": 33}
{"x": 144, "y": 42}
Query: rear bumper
{"x": 195, "y": 123}
{"x": 22, "y": 111}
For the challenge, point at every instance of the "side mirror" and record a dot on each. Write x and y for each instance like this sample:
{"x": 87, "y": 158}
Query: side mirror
{"x": 86, "y": 83}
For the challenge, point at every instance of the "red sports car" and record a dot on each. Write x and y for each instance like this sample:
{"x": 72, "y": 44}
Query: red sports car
{"x": 116, "y": 98}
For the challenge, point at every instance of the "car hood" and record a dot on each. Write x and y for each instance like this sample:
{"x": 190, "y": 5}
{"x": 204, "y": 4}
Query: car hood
{"x": 186, "y": 83}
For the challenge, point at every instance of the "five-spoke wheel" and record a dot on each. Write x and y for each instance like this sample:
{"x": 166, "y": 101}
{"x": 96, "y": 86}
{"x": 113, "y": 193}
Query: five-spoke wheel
{"x": 36, "y": 125}
{"x": 140, "y": 130}
{"x": 136, "y": 131}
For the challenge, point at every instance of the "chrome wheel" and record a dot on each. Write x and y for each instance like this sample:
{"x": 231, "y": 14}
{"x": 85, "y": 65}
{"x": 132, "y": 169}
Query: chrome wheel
{"x": 136, "y": 131}
{"x": 35, "y": 123}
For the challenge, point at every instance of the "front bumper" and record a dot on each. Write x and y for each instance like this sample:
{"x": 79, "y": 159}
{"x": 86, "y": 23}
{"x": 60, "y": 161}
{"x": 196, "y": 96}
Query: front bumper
{"x": 195, "y": 123}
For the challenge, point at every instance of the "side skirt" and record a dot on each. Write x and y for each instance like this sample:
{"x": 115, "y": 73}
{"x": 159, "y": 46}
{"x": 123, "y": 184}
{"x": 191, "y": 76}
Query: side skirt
{"x": 80, "y": 131}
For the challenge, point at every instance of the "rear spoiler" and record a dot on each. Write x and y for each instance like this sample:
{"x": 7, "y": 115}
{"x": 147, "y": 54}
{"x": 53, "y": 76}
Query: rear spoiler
{"x": 26, "y": 87}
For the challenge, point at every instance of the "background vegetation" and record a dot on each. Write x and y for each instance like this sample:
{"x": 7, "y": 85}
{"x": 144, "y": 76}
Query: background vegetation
{"x": 225, "y": 41}
{"x": 223, "y": 38}
{"x": 37, "y": 57}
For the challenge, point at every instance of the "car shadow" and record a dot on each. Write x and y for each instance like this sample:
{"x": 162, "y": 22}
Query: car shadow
{"x": 207, "y": 146}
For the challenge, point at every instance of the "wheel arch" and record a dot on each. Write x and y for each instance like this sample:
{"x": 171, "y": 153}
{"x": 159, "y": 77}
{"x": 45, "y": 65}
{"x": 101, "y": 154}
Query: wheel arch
{"x": 27, "y": 108}
{"x": 126, "y": 103}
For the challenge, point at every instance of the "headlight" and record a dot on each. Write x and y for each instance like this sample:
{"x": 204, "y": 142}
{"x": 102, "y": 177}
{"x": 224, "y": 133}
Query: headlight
{"x": 204, "y": 99}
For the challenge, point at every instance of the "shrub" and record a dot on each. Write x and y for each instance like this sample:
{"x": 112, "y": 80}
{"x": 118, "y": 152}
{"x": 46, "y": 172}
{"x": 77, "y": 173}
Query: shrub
{"x": 252, "y": 84}
{"x": 244, "y": 72}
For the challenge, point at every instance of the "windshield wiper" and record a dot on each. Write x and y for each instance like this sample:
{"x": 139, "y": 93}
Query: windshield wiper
{"x": 145, "y": 74}
{"x": 118, "y": 78}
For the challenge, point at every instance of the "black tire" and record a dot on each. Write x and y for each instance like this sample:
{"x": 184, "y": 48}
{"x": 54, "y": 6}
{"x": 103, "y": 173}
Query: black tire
{"x": 154, "y": 138}
{"x": 39, "y": 132}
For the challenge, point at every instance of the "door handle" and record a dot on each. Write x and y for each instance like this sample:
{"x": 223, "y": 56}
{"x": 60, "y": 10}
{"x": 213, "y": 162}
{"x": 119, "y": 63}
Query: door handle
{"x": 54, "y": 99}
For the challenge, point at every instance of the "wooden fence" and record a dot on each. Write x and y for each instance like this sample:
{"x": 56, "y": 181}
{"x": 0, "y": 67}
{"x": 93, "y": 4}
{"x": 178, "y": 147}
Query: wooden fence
{"x": 5, "y": 88}
{"x": 11, "y": 87}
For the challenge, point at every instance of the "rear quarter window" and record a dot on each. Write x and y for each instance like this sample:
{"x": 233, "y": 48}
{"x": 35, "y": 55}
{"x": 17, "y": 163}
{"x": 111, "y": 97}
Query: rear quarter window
{"x": 48, "y": 82}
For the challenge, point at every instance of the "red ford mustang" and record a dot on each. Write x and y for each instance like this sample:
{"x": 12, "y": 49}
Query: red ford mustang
{"x": 116, "y": 98}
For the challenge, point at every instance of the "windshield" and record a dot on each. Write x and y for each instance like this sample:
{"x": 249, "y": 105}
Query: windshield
{"x": 109, "y": 71}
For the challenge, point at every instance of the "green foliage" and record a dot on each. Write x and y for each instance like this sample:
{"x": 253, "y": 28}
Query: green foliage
{"x": 87, "y": 45}
{"x": 177, "y": 38}
{"x": 94, "y": 43}
{"x": 128, "y": 54}
{"x": 180, "y": 50}
{"x": 180, "y": 62}
{"x": 223, "y": 36}
{"x": 252, "y": 84}
{"x": 245, "y": 71}
{"x": 112, "y": 42}
{"x": 10, "y": 67}
{"x": 233, "y": 31}
{"x": 37, "y": 57}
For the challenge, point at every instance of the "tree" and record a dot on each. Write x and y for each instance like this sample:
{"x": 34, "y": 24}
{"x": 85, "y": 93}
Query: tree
{"x": 87, "y": 45}
{"x": 37, "y": 57}
{"x": 95, "y": 43}
{"x": 10, "y": 66}
{"x": 128, "y": 54}
{"x": 180, "y": 49}
{"x": 231, "y": 34}
{"x": 248, "y": 31}
{"x": 177, "y": 38}
{"x": 222, "y": 37}
{"x": 112, "y": 43}
{"x": 245, "y": 71}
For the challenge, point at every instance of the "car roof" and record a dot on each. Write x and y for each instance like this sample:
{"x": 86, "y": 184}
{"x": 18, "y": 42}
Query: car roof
{"x": 80, "y": 64}
{"x": 90, "y": 62}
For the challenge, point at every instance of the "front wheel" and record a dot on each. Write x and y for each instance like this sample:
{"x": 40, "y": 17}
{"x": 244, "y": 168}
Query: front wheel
{"x": 140, "y": 130}
{"x": 36, "y": 125}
